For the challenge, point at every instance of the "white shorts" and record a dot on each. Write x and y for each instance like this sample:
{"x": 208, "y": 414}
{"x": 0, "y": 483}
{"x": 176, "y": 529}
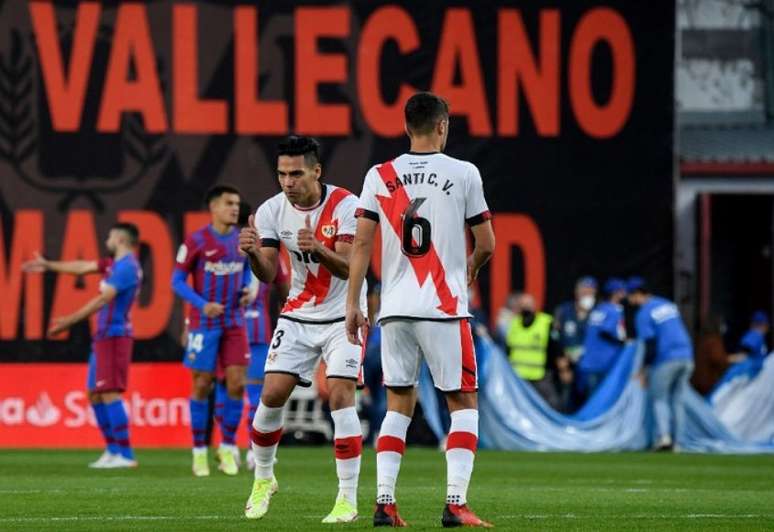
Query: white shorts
{"x": 446, "y": 346}
{"x": 296, "y": 347}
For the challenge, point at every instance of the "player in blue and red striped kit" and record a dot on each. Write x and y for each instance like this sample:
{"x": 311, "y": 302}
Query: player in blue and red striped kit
{"x": 112, "y": 343}
{"x": 216, "y": 331}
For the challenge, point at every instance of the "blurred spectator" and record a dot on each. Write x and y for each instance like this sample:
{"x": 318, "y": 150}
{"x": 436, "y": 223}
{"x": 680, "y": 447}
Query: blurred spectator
{"x": 668, "y": 355}
{"x": 505, "y": 317}
{"x": 569, "y": 331}
{"x": 753, "y": 343}
{"x": 605, "y": 336}
{"x": 711, "y": 358}
{"x": 528, "y": 338}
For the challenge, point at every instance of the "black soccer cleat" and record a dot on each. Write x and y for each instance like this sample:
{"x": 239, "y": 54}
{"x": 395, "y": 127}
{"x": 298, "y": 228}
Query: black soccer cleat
{"x": 387, "y": 515}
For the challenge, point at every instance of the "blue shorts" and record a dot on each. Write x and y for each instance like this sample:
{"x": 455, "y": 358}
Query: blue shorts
{"x": 211, "y": 349}
{"x": 257, "y": 365}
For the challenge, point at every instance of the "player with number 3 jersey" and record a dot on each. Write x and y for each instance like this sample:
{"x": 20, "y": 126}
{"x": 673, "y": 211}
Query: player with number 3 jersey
{"x": 423, "y": 201}
{"x": 315, "y": 222}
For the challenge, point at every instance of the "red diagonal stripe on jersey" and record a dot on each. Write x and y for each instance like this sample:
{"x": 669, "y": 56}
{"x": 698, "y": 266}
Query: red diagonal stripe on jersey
{"x": 317, "y": 286}
{"x": 428, "y": 264}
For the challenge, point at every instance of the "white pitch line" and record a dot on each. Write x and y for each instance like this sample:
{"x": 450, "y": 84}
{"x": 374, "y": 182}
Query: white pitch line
{"x": 633, "y": 516}
{"x": 117, "y": 518}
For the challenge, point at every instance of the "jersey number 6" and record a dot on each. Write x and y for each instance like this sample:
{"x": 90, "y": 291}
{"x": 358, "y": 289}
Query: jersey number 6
{"x": 416, "y": 230}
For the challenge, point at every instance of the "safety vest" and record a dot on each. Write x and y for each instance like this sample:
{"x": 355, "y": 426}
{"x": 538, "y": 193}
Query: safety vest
{"x": 529, "y": 346}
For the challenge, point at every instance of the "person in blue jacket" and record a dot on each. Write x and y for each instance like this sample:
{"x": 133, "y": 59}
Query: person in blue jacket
{"x": 668, "y": 355}
{"x": 605, "y": 336}
{"x": 753, "y": 343}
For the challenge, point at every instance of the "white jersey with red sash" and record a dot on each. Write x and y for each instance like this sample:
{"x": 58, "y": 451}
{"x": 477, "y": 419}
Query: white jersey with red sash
{"x": 316, "y": 295}
{"x": 423, "y": 202}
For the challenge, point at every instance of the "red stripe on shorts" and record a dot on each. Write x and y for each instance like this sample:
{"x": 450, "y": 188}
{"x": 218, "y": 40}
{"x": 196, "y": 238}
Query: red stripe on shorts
{"x": 265, "y": 439}
{"x": 462, "y": 440}
{"x": 468, "y": 377}
{"x": 346, "y": 448}
{"x": 390, "y": 443}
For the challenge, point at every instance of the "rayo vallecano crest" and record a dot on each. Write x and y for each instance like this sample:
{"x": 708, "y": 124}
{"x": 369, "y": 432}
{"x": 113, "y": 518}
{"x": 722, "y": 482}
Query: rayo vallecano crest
{"x": 329, "y": 231}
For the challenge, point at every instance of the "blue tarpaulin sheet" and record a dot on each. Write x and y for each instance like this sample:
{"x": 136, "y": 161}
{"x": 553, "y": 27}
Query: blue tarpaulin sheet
{"x": 738, "y": 417}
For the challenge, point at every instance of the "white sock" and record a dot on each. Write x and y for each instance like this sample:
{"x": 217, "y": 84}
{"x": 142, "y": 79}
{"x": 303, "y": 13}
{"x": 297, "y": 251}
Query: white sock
{"x": 266, "y": 434}
{"x": 460, "y": 453}
{"x": 348, "y": 446}
{"x": 389, "y": 451}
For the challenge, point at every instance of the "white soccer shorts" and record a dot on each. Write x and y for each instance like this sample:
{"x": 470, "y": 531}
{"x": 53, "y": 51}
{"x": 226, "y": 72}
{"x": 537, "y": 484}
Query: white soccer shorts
{"x": 446, "y": 346}
{"x": 296, "y": 347}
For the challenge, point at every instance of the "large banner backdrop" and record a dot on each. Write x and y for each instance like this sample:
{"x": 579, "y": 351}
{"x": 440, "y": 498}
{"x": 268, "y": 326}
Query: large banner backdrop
{"x": 132, "y": 110}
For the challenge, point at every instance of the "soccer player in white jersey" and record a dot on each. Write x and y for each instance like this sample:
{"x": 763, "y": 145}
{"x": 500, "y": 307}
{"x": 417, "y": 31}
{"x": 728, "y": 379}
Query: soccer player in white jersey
{"x": 423, "y": 199}
{"x": 316, "y": 223}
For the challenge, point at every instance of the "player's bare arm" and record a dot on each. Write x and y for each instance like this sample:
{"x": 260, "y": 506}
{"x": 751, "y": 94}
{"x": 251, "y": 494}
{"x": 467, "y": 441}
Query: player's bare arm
{"x": 359, "y": 258}
{"x": 483, "y": 250}
{"x": 63, "y": 323}
{"x": 39, "y": 264}
{"x": 334, "y": 260}
{"x": 263, "y": 259}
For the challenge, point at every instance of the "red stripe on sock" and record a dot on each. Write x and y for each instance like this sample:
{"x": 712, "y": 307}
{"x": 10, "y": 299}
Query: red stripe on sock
{"x": 390, "y": 443}
{"x": 346, "y": 448}
{"x": 265, "y": 439}
{"x": 462, "y": 440}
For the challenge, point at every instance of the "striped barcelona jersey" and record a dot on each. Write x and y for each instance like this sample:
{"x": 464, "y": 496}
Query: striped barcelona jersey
{"x": 218, "y": 269}
{"x": 257, "y": 313}
{"x": 316, "y": 295}
{"x": 125, "y": 275}
{"x": 423, "y": 202}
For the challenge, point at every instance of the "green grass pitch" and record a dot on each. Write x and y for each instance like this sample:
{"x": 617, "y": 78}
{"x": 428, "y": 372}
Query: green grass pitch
{"x": 54, "y": 490}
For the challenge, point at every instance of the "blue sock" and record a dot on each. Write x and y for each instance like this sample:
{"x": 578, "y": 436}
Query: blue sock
{"x": 199, "y": 411}
{"x": 119, "y": 422}
{"x": 103, "y": 421}
{"x": 221, "y": 394}
{"x": 254, "y": 396}
{"x": 232, "y": 415}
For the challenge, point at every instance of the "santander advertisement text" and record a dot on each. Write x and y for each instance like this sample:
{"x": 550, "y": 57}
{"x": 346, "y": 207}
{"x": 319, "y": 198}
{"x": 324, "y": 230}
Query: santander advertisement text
{"x": 46, "y": 405}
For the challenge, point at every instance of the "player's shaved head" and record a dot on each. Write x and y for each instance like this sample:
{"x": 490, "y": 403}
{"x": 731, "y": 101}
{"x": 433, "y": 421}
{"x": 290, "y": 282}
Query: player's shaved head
{"x": 423, "y": 111}
{"x": 296, "y": 145}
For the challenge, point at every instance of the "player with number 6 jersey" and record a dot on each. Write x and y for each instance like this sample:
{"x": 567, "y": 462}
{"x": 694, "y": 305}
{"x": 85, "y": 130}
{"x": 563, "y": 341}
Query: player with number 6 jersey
{"x": 315, "y": 222}
{"x": 423, "y": 201}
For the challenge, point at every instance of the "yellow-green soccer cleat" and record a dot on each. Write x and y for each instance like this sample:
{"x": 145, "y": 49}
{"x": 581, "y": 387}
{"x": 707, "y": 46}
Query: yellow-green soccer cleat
{"x": 343, "y": 512}
{"x": 258, "y": 502}
{"x": 201, "y": 467}
{"x": 227, "y": 461}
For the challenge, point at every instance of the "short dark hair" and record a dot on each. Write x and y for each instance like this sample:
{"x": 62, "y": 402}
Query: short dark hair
{"x": 218, "y": 190}
{"x": 130, "y": 230}
{"x": 299, "y": 145}
{"x": 423, "y": 111}
{"x": 245, "y": 210}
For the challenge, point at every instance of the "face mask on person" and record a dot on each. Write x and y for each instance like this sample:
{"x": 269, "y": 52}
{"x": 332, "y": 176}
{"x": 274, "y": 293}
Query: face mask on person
{"x": 586, "y": 302}
{"x": 527, "y": 316}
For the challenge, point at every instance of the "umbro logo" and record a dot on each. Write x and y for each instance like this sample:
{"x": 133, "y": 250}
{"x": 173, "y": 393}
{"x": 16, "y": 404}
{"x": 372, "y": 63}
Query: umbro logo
{"x": 210, "y": 252}
{"x": 286, "y": 234}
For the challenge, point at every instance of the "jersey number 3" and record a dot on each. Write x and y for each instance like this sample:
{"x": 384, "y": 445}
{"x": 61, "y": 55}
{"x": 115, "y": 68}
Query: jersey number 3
{"x": 416, "y": 230}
